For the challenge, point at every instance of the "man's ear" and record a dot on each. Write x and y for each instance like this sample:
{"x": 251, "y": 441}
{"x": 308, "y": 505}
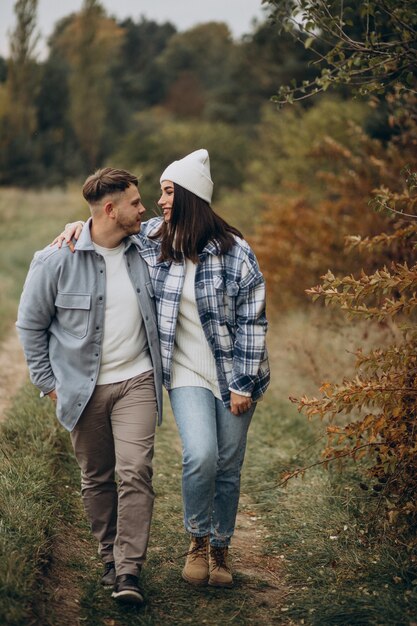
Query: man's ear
{"x": 109, "y": 209}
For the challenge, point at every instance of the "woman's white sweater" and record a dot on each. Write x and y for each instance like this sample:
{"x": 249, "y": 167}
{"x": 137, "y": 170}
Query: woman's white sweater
{"x": 193, "y": 363}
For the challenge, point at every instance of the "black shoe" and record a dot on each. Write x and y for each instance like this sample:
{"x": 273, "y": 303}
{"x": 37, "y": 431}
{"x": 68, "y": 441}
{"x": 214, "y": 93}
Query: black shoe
{"x": 126, "y": 589}
{"x": 109, "y": 575}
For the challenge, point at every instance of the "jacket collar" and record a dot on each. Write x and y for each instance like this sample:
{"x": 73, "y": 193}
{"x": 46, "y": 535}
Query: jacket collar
{"x": 211, "y": 248}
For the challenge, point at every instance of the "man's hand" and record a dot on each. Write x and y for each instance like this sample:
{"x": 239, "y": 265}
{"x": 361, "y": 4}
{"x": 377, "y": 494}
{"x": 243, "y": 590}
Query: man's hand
{"x": 239, "y": 404}
{"x": 72, "y": 231}
{"x": 52, "y": 395}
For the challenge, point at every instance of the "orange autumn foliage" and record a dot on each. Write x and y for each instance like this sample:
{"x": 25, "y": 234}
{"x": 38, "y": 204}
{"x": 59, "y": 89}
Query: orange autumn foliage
{"x": 300, "y": 238}
{"x": 373, "y": 416}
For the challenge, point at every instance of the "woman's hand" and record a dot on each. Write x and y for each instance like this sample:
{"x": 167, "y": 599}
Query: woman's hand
{"x": 72, "y": 231}
{"x": 239, "y": 404}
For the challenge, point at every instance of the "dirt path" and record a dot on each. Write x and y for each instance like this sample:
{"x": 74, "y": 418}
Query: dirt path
{"x": 250, "y": 560}
{"x": 13, "y": 370}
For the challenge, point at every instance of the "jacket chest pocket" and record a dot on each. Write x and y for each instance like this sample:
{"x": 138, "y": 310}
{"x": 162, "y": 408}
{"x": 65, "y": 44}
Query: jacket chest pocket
{"x": 73, "y": 313}
{"x": 226, "y": 292}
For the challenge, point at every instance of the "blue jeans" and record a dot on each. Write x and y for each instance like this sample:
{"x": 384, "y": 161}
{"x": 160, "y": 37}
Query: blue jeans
{"x": 213, "y": 443}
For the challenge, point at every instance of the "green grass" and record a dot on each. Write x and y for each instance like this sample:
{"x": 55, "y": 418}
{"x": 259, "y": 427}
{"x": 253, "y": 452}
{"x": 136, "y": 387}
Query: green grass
{"x": 337, "y": 570}
{"x": 29, "y": 221}
{"x": 340, "y": 567}
{"x": 32, "y": 501}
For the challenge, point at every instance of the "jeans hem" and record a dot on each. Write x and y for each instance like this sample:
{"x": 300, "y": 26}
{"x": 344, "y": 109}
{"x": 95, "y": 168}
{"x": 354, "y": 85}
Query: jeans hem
{"x": 198, "y": 534}
{"x": 217, "y": 544}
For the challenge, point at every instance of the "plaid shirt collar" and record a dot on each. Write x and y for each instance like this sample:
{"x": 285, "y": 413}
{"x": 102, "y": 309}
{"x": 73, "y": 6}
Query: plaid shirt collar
{"x": 150, "y": 249}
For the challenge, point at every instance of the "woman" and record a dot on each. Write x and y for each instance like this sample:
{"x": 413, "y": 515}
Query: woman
{"x": 210, "y": 299}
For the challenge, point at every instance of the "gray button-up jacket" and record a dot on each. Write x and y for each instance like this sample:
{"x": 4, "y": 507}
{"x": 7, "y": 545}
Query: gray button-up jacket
{"x": 61, "y": 318}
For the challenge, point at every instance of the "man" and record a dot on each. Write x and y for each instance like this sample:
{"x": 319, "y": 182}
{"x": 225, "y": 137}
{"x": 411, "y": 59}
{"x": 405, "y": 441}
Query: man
{"x": 88, "y": 329}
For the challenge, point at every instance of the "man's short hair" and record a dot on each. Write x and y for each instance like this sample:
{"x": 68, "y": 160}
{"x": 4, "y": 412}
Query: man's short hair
{"x": 107, "y": 181}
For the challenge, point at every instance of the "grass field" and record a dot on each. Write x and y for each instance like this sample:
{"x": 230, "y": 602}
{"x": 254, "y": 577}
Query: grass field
{"x": 29, "y": 220}
{"x": 331, "y": 566}
{"x": 319, "y": 537}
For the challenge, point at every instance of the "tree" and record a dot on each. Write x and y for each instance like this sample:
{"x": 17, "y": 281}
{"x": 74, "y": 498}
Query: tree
{"x": 232, "y": 78}
{"x": 18, "y": 118}
{"x": 136, "y": 74}
{"x": 3, "y": 70}
{"x": 302, "y": 235}
{"x": 59, "y": 150}
{"x": 199, "y": 58}
{"x": 20, "y": 80}
{"x": 262, "y": 61}
{"x": 370, "y": 48}
{"x": 90, "y": 42}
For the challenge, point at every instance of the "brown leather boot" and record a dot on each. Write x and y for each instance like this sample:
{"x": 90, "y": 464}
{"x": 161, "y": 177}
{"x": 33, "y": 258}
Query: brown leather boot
{"x": 220, "y": 572}
{"x": 196, "y": 570}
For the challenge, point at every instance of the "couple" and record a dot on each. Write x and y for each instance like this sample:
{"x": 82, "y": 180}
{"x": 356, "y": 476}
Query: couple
{"x": 184, "y": 289}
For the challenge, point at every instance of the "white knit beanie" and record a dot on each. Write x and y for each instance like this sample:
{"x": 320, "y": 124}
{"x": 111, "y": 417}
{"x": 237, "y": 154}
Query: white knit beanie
{"x": 193, "y": 173}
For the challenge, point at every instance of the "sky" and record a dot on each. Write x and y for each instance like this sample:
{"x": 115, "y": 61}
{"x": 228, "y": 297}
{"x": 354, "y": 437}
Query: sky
{"x": 184, "y": 14}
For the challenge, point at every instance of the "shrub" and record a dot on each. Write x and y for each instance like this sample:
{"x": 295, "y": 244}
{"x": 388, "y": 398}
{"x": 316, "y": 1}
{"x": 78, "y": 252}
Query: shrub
{"x": 381, "y": 398}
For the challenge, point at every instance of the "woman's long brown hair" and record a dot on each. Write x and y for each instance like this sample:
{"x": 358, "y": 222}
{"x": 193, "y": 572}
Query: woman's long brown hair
{"x": 193, "y": 224}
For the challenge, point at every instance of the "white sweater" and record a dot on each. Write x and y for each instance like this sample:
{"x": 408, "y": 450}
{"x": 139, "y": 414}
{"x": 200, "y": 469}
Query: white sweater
{"x": 125, "y": 351}
{"x": 193, "y": 362}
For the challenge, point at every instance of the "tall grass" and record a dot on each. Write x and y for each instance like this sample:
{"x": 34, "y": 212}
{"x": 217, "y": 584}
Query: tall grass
{"x": 32, "y": 499}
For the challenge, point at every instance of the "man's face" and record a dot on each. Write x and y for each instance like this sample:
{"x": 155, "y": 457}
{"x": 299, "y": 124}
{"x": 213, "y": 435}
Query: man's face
{"x": 129, "y": 209}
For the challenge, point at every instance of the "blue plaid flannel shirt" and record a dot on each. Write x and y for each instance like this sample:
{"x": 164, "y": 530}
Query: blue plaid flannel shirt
{"x": 231, "y": 306}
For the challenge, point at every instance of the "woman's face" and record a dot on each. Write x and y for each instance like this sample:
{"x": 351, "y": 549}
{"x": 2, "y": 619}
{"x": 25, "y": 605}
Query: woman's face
{"x": 167, "y": 199}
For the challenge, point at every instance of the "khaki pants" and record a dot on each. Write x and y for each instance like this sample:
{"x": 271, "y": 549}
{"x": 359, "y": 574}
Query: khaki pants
{"x": 116, "y": 433}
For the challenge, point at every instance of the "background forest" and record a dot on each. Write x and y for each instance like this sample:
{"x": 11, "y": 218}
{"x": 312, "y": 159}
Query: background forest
{"x": 311, "y": 124}
{"x": 136, "y": 92}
